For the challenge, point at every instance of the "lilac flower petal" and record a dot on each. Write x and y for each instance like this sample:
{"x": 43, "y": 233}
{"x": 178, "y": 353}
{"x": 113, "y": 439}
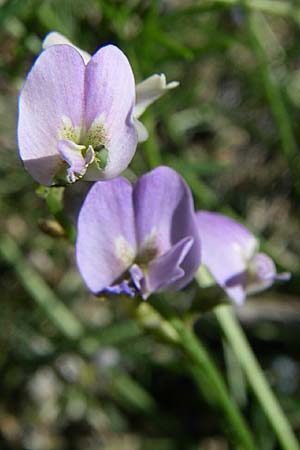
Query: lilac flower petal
{"x": 264, "y": 267}
{"x": 227, "y": 247}
{"x": 89, "y": 155}
{"x": 262, "y": 274}
{"x": 283, "y": 276}
{"x": 44, "y": 168}
{"x": 137, "y": 276}
{"x": 52, "y": 91}
{"x": 110, "y": 93}
{"x": 164, "y": 212}
{"x": 55, "y": 38}
{"x": 166, "y": 270}
{"x": 71, "y": 154}
{"x": 122, "y": 288}
{"x": 106, "y": 244}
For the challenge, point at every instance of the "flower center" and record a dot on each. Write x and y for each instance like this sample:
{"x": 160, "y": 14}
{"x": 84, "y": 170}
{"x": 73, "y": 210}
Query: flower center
{"x": 149, "y": 250}
{"x": 134, "y": 278}
{"x": 80, "y": 149}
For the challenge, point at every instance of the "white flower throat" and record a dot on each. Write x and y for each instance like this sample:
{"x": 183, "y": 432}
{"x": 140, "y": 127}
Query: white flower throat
{"x": 79, "y": 149}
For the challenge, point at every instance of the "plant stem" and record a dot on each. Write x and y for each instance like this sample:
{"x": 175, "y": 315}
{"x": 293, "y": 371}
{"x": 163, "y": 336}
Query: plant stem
{"x": 205, "y": 369}
{"x": 151, "y": 146}
{"x": 206, "y": 374}
{"x": 256, "y": 378}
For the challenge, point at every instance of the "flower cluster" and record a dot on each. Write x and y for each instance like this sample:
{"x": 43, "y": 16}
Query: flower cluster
{"x": 79, "y": 119}
{"x": 78, "y": 114}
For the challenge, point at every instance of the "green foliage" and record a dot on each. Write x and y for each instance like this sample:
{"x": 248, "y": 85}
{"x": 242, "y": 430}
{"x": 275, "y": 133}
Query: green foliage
{"x": 77, "y": 372}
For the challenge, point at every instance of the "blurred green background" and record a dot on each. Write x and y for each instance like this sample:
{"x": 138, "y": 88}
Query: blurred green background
{"x": 232, "y": 129}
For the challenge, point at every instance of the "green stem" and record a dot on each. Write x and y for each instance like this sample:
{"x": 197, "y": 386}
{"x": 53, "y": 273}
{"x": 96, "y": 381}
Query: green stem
{"x": 55, "y": 204}
{"x": 256, "y": 377}
{"x": 205, "y": 372}
{"x": 151, "y": 146}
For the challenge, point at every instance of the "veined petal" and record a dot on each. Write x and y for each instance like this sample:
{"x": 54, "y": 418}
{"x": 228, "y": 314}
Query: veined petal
{"x": 55, "y": 38}
{"x": 164, "y": 212}
{"x": 106, "y": 244}
{"x": 110, "y": 94}
{"x": 227, "y": 248}
{"x": 165, "y": 270}
{"x": 149, "y": 90}
{"x": 52, "y": 91}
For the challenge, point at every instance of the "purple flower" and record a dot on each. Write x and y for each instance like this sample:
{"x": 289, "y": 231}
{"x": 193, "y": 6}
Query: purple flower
{"x": 147, "y": 91}
{"x": 230, "y": 253}
{"x": 138, "y": 239}
{"x": 76, "y": 119}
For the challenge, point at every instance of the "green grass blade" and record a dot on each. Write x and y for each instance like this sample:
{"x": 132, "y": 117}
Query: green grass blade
{"x": 256, "y": 378}
{"x": 156, "y": 318}
{"x": 255, "y": 23}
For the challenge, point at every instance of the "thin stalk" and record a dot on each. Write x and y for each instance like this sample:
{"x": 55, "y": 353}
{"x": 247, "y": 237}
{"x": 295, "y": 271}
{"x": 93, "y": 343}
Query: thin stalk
{"x": 256, "y": 378}
{"x": 205, "y": 369}
{"x": 206, "y": 374}
{"x": 151, "y": 146}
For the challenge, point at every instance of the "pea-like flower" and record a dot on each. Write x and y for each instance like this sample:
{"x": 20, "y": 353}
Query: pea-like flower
{"x": 76, "y": 119}
{"x": 138, "y": 239}
{"x": 230, "y": 253}
{"x": 147, "y": 91}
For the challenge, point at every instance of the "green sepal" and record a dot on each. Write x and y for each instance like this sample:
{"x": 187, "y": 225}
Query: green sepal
{"x": 101, "y": 156}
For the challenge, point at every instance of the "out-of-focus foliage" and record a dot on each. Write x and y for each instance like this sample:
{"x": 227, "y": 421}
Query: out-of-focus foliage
{"x": 232, "y": 129}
